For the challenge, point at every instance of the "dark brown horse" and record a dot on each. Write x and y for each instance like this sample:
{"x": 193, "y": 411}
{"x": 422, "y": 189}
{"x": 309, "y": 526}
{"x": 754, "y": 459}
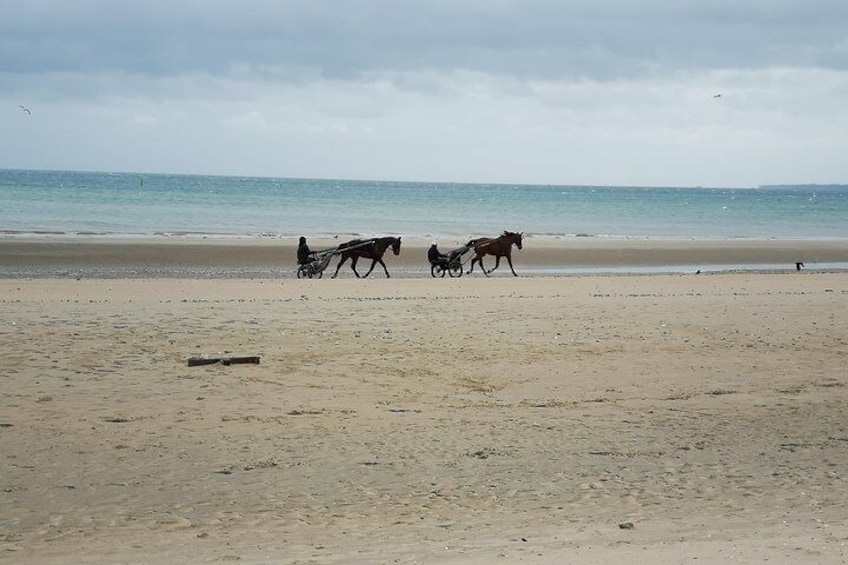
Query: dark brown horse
{"x": 499, "y": 247}
{"x": 373, "y": 249}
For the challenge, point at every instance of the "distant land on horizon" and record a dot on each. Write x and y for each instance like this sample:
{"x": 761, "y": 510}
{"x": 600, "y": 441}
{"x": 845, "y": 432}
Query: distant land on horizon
{"x": 804, "y": 186}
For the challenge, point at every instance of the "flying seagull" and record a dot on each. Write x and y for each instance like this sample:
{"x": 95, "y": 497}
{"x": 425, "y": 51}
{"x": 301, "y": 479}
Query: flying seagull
{"x": 25, "y": 109}
{"x": 717, "y": 95}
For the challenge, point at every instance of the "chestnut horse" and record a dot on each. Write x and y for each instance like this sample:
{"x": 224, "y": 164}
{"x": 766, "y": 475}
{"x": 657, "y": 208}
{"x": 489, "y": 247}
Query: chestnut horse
{"x": 373, "y": 249}
{"x": 499, "y": 247}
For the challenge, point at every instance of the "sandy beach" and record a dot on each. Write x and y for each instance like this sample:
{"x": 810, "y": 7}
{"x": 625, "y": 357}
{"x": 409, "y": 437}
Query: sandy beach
{"x": 663, "y": 418}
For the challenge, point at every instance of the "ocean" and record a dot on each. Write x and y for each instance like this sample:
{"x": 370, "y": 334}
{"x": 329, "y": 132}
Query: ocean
{"x": 141, "y": 204}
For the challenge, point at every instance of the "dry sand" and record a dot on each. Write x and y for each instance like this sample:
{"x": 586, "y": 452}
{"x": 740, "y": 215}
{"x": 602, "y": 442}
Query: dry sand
{"x": 415, "y": 420}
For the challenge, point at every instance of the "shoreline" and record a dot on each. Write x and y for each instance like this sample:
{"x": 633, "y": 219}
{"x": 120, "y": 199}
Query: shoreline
{"x": 46, "y": 256}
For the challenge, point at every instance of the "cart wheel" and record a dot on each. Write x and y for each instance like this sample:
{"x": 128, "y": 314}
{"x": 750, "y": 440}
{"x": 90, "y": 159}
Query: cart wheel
{"x": 300, "y": 273}
{"x": 455, "y": 269}
{"x": 319, "y": 274}
{"x": 437, "y": 270}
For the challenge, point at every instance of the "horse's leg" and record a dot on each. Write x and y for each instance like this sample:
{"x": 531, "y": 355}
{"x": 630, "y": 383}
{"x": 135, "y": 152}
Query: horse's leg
{"x": 373, "y": 262}
{"x": 476, "y": 259}
{"x": 509, "y": 260}
{"x": 353, "y": 261}
{"x": 339, "y": 266}
{"x": 497, "y": 263}
{"x": 380, "y": 261}
{"x": 483, "y": 267}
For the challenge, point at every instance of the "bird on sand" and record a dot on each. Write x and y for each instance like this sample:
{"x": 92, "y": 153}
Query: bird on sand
{"x": 799, "y": 265}
{"x": 25, "y": 109}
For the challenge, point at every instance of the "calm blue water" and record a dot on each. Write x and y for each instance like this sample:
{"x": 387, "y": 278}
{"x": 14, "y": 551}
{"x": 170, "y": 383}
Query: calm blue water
{"x": 146, "y": 204}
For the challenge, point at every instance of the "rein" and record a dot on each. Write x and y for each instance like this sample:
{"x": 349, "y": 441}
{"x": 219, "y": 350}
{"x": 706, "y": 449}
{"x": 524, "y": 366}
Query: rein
{"x": 500, "y": 239}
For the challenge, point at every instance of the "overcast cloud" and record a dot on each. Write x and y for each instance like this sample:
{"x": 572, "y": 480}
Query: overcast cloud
{"x": 515, "y": 91}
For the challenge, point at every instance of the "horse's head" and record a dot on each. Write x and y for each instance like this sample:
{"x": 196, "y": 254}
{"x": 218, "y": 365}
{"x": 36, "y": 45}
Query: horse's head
{"x": 513, "y": 237}
{"x": 396, "y": 246}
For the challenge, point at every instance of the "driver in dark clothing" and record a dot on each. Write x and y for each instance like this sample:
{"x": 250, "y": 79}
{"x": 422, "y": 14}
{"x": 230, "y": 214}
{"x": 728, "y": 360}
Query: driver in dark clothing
{"x": 304, "y": 254}
{"x": 434, "y": 255}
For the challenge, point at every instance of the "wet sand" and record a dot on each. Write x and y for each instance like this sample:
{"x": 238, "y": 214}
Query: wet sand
{"x": 584, "y": 419}
{"x": 111, "y": 257}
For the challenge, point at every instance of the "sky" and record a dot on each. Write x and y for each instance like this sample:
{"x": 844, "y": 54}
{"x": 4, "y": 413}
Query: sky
{"x": 720, "y": 93}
